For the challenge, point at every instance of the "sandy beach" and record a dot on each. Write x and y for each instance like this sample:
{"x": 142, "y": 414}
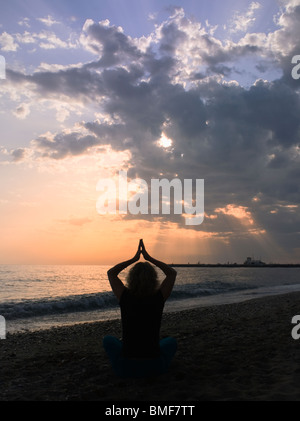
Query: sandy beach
{"x": 236, "y": 352}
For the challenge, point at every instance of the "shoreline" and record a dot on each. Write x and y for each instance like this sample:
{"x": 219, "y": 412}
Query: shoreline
{"x": 240, "y": 351}
{"x": 46, "y": 322}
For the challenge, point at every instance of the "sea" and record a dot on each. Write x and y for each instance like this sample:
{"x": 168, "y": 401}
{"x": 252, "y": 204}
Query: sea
{"x": 41, "y": 297}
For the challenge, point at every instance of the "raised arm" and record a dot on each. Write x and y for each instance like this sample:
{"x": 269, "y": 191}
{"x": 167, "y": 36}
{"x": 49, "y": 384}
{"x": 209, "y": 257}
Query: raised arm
{"x": 168, "y": 283}
{"x": 115, "y": 282}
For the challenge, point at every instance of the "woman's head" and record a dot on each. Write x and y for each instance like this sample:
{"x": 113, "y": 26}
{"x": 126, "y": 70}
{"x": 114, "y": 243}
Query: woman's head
{"x": 142, "y": 280}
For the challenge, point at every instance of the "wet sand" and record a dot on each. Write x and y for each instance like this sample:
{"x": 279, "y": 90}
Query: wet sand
{"x": 236, "y": 352}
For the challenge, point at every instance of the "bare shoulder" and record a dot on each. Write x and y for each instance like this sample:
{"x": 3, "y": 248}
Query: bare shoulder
{"x": 167, "y": 285}
{"x": 116, "y": 284}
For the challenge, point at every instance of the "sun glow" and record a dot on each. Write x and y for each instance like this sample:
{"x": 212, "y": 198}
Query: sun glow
{"x": 165, "y": 142}
{"x": 239, "y": 212}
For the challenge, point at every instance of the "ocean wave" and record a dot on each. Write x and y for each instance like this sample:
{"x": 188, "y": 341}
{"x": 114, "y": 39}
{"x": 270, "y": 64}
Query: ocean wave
{"x": 105, "y": 300}
{"x": 207, "y": 288}
{"x": 71, "y": 304}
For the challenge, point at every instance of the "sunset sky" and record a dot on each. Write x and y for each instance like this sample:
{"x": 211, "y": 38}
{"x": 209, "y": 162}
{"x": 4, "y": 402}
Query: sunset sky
{"x": 186, "y": 89}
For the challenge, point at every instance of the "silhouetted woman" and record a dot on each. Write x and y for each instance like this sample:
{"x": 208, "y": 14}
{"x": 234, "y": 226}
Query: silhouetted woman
{"x": 141, "y": 352}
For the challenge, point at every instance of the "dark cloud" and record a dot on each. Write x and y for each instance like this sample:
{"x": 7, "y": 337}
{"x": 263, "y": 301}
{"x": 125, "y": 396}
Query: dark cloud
{"x": 64, "y": 145}
{"x": 75, "y": 83}
{"x": 171, "y": 37}
{"x": 18, "y": 154}
{"x": 110, "y": 43}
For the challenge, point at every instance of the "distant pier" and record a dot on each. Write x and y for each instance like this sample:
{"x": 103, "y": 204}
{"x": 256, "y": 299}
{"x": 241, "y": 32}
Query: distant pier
{"x": 234, "y": 265}
{"x": 249, "y": 263}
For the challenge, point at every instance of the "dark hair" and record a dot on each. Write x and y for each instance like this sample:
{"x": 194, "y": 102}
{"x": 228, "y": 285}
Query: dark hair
{"x": 142, "y": 280}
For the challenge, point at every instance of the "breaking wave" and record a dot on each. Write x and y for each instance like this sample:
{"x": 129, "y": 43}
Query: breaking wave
{"x": 105, "y": 300}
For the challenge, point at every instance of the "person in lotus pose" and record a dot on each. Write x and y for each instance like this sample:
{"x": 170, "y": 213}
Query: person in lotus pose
{"x": 141, "y": 352}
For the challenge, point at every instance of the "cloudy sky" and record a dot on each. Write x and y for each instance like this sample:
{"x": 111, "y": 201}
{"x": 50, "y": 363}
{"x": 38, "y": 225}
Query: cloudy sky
{"x": 98, "y": 86}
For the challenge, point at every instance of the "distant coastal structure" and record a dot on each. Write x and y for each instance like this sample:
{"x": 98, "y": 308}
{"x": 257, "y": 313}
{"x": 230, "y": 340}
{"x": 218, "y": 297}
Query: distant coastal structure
{"x": 249, "y": 263}
{"x": 252, "y": 262}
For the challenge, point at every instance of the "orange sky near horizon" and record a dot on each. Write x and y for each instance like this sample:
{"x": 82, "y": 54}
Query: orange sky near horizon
{"x": 50, "y": 217}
